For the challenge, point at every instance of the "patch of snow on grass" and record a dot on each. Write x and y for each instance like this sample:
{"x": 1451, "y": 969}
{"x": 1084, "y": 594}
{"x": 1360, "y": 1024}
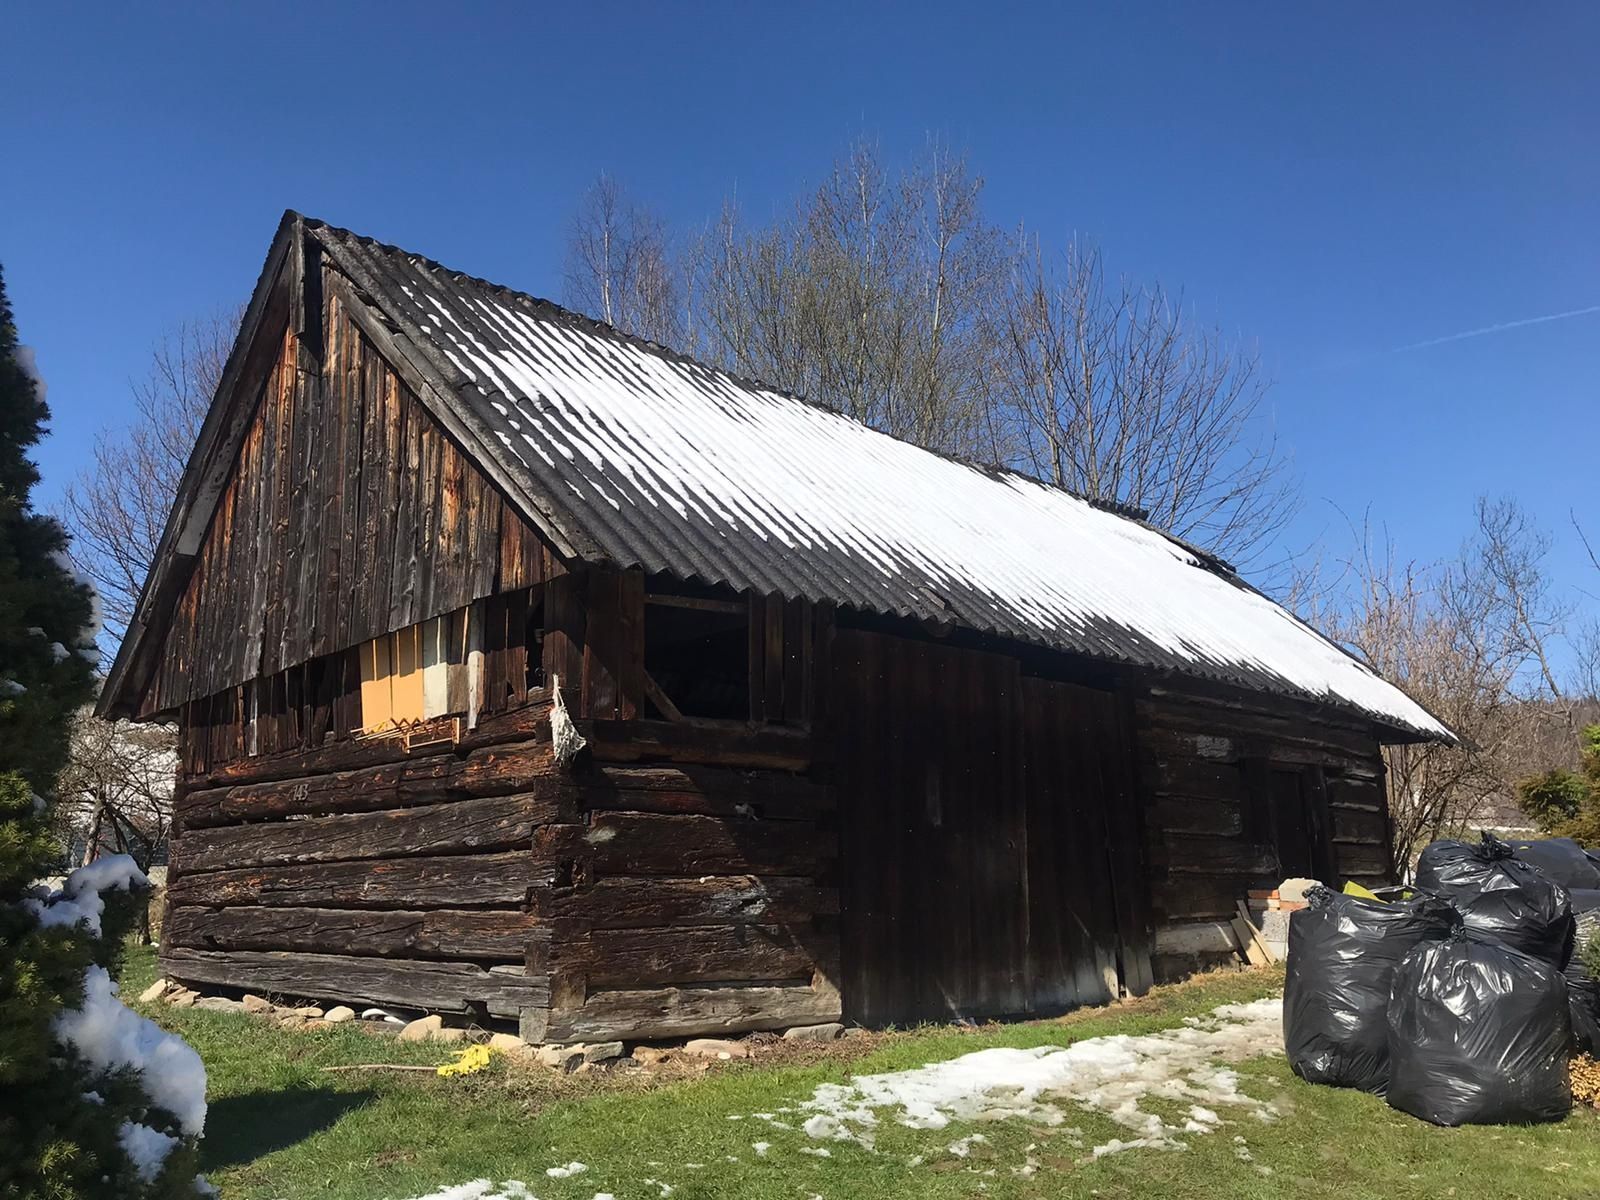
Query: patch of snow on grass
{"x": 566, "y": 1172}
{"x": 1110, "y": 1075}
{"x": 483, "y": 1189}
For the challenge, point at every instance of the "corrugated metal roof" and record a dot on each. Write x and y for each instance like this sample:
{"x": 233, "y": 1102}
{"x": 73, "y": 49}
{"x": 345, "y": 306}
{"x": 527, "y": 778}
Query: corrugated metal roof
{"x": 642, "y": 457}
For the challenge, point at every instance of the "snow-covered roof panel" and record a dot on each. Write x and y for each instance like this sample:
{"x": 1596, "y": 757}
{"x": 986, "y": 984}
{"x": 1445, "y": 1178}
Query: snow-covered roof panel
{"x": 647, "y": 458}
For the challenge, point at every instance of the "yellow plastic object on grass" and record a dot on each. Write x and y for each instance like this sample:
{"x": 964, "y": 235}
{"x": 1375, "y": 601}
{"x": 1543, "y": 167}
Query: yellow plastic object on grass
{"x": 468, "y": 1061}
{"x": 1355, "y": 889}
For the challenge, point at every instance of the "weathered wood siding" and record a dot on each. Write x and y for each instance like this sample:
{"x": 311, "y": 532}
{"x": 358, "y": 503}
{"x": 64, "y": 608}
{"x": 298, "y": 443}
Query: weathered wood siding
{"x": 992, "y": 859}
{"x": 1209, "y": 765}
{"x": 362, "y": 873}
{"x": 688, "y": 898}
{"x": 349, "y": 514}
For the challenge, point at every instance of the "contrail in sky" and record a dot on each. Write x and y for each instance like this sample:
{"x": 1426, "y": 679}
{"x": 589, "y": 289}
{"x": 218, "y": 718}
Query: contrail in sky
{"x": 1500, "y": 328}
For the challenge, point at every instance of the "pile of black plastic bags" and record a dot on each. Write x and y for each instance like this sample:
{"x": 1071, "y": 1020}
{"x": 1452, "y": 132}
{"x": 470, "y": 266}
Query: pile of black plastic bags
{"x": 1461, "y": 1001}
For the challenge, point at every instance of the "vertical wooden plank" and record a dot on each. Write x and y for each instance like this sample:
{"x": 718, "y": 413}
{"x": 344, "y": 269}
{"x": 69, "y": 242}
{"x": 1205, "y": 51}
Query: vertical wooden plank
{"x": 370, "y": 607}
{"x": 407, "y": 468}
{"x": 564, "y": 622}
{"x": 798, "y": 678}
{"x": 758, "y": 657}
{"x": 494, "y": 654}
{"x": 516, "y": 651}
{"x": 613, "y": 652}
{"x": 1125, "y": 816}
{"x": 630, "y": 650}
{"x": 773, "y": 702}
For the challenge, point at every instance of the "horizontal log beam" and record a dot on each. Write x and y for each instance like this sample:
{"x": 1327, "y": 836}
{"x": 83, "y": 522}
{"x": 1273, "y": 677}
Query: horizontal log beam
{"x": 629, "y": 843}
{"x": 1214, "y": 856}
{"x": 1360, "y": 825}
{"x": 688, "y": 1012}
{"x": 527, "y": 724}
{"x": 1183, "y": 814}
{"x": 632, "y": 903}
{"x": 1362, "y": 860}
{"x": 715, "y": 744}
{"x": 450, "y": 881}
{"x": 1184, "y": 896}
{"x": 431, "y": 779}
{"x": 1196, "y": 937}
{"x": 709, "y": 791}
{"x": 406, "y": 983}
{"x": 458, "y": 827}
{"x": 636, "y": 958}
{"x": 498, "y": 935}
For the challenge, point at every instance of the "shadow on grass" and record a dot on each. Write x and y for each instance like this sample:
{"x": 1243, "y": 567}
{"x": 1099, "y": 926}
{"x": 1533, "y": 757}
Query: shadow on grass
{"x": 243, "y": 1128}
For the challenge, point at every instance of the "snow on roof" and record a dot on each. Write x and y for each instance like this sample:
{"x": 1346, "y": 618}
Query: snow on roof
{"x": 641, "y": 457}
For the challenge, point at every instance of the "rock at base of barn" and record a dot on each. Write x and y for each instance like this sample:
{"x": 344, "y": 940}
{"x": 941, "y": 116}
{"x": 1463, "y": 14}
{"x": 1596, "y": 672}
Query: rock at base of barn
{"x": 422, "y": 1029}
{"x": 715, "y": 1048}
{"x": 154, "y": 992}
{"x": 827, "y": 1032}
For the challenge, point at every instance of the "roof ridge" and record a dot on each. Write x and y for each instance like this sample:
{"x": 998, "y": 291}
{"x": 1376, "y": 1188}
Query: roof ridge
{"x": 1128, "y": 511}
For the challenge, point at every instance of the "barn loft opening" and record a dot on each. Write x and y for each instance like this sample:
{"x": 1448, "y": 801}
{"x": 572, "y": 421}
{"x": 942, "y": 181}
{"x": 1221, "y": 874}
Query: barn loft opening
{"x": 697, "y": 656}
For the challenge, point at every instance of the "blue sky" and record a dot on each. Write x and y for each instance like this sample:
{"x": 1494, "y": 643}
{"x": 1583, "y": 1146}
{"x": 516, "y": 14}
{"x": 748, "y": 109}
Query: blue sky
{"x": 1334, "y": 182}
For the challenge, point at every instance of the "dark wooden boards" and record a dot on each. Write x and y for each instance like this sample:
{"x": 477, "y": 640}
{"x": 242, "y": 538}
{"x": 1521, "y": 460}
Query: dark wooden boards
{"x": 1239, "y": 793}
{"x": 450, "y": 987}
{"x": 933, "y": 829}
{"x": 501, "y": 880}
{"x": 349, "y": 513}
{"x": 687, "y": 1011}
{"x": 687, "y": 897}
{"x": 1072, "y": 929}
{"x": 496, "y": 935}
{"x": 650, "y": 902}
{"x": 458, "y": 827}
{"x": 635, "y": 843}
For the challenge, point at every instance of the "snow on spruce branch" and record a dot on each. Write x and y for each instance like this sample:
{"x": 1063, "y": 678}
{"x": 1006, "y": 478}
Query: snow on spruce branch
{"x": 79, "y": 900}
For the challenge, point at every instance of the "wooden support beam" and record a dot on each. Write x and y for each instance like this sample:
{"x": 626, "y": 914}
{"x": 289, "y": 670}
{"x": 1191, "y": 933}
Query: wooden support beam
{"x": 654, "y": 694}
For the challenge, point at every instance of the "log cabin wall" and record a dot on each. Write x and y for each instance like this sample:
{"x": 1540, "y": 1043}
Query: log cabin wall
{"x": 349, "y": 514}
{"x": 1240, "y": 793}
{"x": 676, "y": 879}
{"x": 389, "y": 871}
{"x": 694, "y": 886}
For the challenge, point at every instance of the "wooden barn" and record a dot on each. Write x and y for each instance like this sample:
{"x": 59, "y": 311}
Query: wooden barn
{"x": 868, "y": 733}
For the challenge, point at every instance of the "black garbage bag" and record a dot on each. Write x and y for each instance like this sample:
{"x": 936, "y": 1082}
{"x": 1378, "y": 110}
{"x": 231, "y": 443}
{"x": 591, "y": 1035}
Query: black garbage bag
{"x": 1500, "y": 897}
{"x": 1583, "y": 1007}
{"x": 1584, "y": 899}
{"x": 1343, "y": 952}
{"x": 1479, "y": 1034}
{"x": 1583, "y": 991}
{"x": 1560, "y": 859}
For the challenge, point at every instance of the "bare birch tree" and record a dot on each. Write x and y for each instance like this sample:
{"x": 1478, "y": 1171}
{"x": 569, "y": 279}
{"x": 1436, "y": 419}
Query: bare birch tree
{"x": 620, "y": 267}
{"x": 118, "y": 506}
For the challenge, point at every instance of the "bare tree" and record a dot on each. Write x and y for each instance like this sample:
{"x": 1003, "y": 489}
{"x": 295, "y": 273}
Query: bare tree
{"x": 117, "y": 507}
{"x": 1472, "y": 639}
{"x": 620, "y": 267}
{"x": 871, "y": 297}
{"x": 116, "y": 792}
{"x": 891, "y": 297}
{"x": 1115, "y": 394}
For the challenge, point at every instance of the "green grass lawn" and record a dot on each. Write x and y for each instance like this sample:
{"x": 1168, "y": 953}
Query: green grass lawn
{"x": 280, "y": 1127}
